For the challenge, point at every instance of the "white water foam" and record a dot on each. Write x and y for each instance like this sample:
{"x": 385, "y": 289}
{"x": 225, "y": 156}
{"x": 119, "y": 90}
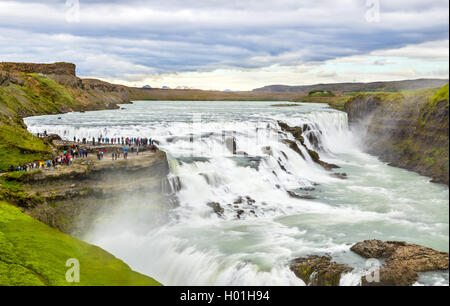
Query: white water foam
{"x": 197, "y": 247}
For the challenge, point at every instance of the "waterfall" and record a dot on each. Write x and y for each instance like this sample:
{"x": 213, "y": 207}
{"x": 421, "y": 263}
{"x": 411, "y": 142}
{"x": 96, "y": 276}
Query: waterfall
{"x": 246, "y": 202}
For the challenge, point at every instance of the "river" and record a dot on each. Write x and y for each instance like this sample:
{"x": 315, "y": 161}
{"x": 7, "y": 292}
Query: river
{"x": 198, "y": 247}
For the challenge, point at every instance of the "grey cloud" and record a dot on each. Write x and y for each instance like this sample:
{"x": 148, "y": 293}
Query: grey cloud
{"x": 173, "y": 35}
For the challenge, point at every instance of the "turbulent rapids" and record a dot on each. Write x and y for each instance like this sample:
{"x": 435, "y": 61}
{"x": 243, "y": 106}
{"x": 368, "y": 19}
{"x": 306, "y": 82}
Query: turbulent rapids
{"x": 248, "y": 203}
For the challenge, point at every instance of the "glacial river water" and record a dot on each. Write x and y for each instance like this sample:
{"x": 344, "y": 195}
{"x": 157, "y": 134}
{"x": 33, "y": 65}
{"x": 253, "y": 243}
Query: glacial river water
{"x": 197, "y": 247}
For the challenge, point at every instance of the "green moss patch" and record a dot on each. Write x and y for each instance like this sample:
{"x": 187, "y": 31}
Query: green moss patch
{"x": 18, "y": 147}
{"x": 441, "y": 95}
{"x": 320, "y": 93}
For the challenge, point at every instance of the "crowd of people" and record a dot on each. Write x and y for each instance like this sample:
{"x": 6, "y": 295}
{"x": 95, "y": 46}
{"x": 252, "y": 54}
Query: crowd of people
{"x": 77, "y": 152}
{"x": 65, "y": 159}
{"x": 124, "y": 141}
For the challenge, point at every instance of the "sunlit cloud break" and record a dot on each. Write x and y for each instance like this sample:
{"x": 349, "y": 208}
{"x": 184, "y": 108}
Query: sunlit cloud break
{"x": 237, "y": 45}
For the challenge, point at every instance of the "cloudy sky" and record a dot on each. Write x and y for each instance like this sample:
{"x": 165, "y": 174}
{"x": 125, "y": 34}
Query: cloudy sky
{"x": 233, "y": 44}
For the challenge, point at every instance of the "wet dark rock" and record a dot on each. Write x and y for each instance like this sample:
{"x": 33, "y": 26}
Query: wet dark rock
{"x": 282, "y": 167}
{"x": 240, "y": 212}
{"x": 250, "y": 201}
{"x": 247, "y": 200}
{"x": 316, "y": 158}
{"x": 239, "y": 200}
{"x": 298, "y": 196}
{"x": 297, "y": 133}
{"x": 318, "y": 270}
{"x": 342, "y": 176}
{"x": 293, "y": 145}
{"x": 230, "y": 144}
{"x": 267, "y": 150}
{"x": 216, "y": 208}
{"x": 313, "y": 140}
{"x": 402, "y": 261}
{"x": 308, "y": 188}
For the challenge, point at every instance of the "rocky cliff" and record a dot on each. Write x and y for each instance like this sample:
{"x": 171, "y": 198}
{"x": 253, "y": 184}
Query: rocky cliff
{"x": 71, "y": 198}
{"x": 38, "y": 89}
{"x": 408, "y": 129}
{"x": 49, "y": 69}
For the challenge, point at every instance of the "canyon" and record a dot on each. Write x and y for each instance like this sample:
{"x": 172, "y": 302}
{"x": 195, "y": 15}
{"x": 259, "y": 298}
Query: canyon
{"x": 406, "y": 129}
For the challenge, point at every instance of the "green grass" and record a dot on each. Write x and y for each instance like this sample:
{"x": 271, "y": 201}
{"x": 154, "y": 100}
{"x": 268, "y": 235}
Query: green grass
{"x": 441, "y": 95}
{"x": 50, "y": 94}
{"x": 320, "y": 93}
{"x": 18, "y": 146}
{"x": 31, "y": 253}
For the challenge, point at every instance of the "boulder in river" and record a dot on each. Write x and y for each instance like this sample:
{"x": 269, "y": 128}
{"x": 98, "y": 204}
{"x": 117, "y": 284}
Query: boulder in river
{"x": 342, "y": 176}
{"x": 293, "y": 145}
{"x": 402, "y": 261}
{"x": 297, "y": 131}
{"x": 318, "y": 270}
{"x": 216, "y": 208}
{"x": 295, "y": 195}
{"x": 230, "y": 144}
{"x": 240, "y": 212}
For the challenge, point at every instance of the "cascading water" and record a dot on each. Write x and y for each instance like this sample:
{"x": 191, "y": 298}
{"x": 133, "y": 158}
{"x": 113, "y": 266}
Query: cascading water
{"x": 236, "y": 221}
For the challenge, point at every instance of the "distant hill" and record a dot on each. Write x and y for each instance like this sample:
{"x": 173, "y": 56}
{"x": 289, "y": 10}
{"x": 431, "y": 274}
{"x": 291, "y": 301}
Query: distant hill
{"x": 360, "y": 87}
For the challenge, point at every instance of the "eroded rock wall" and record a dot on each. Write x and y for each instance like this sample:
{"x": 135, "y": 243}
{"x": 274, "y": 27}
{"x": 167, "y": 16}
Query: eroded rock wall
{"x": 408, "y": 130}
{"x": 55, "y": 68}
{"x": 72, "y": 198}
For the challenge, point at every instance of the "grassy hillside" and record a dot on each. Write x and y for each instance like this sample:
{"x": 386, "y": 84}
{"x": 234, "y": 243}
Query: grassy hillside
{"x": 31, "y": 253}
